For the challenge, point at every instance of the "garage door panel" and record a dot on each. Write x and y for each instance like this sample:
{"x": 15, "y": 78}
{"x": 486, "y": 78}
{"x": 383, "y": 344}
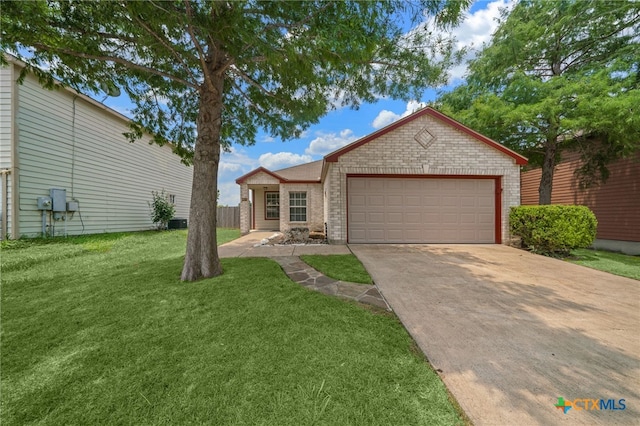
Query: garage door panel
{"x": 413, "y": 218}
{"x": 375, "y": 200}
{"x": 358, "y": 200}
{"x": 395, "y": 218}
{"x": 468, "y": 218}
{"x": 394, "y": 200}
{"x": 412, "y": 200}
{"x": 375, "y": 218}
{"x": 421, "y": 210}
{"x": 486, "y": 218}
{"x": 394, "y": 185}
{"x": 358, "y": 217}
{"x": 485, "y": 203}
{"x": 376, "y": 234}
{"x": 469, "y": 200}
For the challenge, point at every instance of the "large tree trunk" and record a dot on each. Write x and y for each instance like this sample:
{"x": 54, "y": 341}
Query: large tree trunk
{"x": 201, "y": 259}
{"x": 548, "y": 168}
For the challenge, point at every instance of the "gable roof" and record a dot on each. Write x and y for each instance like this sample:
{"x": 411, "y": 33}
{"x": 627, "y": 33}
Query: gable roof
{"x": 333, "y": 156}
{"x": 303, "y": 173}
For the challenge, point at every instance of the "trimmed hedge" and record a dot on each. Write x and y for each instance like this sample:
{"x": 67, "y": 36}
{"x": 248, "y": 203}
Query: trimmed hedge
{"x": 553, "y": 229}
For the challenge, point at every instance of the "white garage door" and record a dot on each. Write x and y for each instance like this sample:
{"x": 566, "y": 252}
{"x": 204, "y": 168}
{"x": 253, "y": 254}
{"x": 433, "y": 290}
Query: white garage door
{"x": 421, "y": 210}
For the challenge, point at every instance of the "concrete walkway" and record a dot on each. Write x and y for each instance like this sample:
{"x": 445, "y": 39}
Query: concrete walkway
{"x": 299, "y": 272}
{"x": 245, "y": 246}
{"x": 510, "y": 332}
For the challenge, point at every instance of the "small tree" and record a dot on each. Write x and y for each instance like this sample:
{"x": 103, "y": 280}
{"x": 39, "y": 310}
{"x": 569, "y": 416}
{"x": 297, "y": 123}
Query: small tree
{"x": 162, "y": 210}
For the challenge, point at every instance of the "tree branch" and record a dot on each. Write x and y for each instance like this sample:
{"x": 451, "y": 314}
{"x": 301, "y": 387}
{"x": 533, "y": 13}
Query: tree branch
{"x": 198, "y": 46}
{"x": 166, "y": 45}
{"x": 246, "y": 98}
{"x": 251, "y": 81}
{"x": 116, "y": 59}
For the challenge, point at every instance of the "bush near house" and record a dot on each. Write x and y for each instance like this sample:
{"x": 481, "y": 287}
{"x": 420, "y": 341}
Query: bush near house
{"x": 553, "y": 229}
{"x": 162, "y": 209}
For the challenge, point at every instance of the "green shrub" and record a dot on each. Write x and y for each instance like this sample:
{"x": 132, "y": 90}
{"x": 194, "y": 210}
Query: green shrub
{"x": 553, "y": 230}
{"x": 162, "y": 210}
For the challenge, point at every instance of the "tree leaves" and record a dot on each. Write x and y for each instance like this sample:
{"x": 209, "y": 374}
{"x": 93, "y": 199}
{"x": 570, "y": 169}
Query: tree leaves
{"x": 558, "y": 75}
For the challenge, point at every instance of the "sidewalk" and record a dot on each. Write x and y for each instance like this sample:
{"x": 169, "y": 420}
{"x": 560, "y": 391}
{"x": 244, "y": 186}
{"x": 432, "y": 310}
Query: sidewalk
{"x": 245, "y": 247}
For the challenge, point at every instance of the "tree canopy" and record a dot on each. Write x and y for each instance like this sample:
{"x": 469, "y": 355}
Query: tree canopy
{"x": 206, "y": 74}
{"x": 557, "y": 75}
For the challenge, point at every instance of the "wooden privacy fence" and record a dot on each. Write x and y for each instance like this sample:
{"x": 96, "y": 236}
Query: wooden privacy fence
{"x": 228, "y": 217}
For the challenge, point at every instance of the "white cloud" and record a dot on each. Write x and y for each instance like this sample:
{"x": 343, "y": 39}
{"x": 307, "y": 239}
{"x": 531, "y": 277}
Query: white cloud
{"x": 281, "y": 160}
{"x": 229, "y": 193}
{"x": 229, "y": 167}
{"x": 476, "y": 29}
{"x": 236, "y": 161}
{"x": 325, "y": 143}
{"x": 386, "y": 117}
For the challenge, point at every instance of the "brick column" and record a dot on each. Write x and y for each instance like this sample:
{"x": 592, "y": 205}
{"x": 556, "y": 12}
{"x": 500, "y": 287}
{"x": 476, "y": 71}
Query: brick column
{"x": 245, "y": 209}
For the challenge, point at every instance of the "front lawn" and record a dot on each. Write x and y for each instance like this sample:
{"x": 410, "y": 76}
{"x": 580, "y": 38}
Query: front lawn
{"x": 103, "y": 332}
{"x": 344, "y": 267}
{"x": 614, "y": 263}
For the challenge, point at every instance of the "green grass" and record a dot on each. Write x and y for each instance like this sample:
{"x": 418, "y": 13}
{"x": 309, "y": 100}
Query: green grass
{"x": 103, "y": 332}
{"x": 614, "y": 263}
{"x": 344, "y": 267}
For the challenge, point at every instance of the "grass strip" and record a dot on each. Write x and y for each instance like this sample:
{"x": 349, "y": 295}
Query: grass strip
{"x": 614, "y": 263}
{"x": 344, "y": 267}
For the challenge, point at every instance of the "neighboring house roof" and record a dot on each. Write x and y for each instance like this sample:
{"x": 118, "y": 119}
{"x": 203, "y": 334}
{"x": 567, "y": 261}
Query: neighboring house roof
{"x": 333, "y": 157}
{"x": 309, "y": 172}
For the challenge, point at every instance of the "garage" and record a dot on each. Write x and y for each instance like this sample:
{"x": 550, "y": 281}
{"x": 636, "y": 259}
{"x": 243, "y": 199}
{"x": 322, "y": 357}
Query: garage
{"x": 423, "y": 209}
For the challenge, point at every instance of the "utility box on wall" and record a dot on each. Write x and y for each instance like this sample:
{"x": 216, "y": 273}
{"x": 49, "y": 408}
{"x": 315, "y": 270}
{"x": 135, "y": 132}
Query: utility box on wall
{"x": 72, "y": 206}
{"x": 44, "y": 203}
{"x": 58, "y": 199}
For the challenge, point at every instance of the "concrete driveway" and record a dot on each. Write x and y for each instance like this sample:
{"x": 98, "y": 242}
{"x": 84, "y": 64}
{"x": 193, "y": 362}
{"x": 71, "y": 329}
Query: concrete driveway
{"x": 509, "y": 332}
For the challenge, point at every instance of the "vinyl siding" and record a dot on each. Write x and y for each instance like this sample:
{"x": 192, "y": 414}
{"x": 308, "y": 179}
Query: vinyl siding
{"x": 6, "y": 100}
{"x": 87, "y": 154}
{"x": 6, "y": 134}
{"x": 616, "y": 203}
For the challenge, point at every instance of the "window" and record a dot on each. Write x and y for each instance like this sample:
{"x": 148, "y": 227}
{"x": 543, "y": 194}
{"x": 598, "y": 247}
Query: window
{"x": 172, "y": 198}
{"x": 298, "y": 206}
{"x": 272, "y": 205}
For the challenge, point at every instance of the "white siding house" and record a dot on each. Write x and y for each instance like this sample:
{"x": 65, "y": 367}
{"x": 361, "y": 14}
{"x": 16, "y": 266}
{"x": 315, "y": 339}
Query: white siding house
{"x": 64, "y": 140}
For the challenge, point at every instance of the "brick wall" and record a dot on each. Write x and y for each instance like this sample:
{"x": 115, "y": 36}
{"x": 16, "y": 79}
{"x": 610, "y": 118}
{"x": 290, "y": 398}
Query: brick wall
{"x": 315, "y": 209}
{"x": 445, "y": 150}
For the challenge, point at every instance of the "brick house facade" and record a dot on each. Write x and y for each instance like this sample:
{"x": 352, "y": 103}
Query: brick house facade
{"x": 385, "y": 187}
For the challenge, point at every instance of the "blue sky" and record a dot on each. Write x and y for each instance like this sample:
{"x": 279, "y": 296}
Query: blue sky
{"x": 344, "y": 125}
